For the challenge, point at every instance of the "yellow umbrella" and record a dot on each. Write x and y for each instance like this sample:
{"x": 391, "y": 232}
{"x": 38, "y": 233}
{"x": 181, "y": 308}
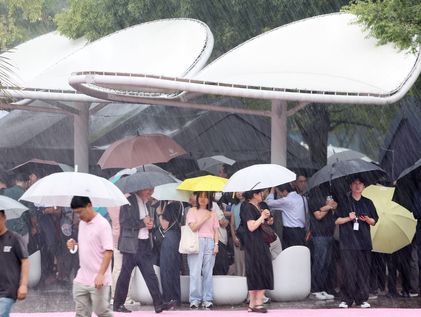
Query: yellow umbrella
{"x": 208, "y": 183}
{"x": 396, "y": 226}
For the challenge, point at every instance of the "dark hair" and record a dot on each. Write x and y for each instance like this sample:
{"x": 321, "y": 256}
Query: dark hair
{"x": 249, "y": 194}
{"x": 286, "y": 187}
{"x": 358, "y": 177}
{"x": 79, "y": 202}
{"x": 210, "y": 197}
{"x": 3, "y": 213}
{"x": 20, "y": 177}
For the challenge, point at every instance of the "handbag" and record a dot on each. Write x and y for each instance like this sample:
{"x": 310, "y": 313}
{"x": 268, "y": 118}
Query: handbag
{"x": 189, "y": 242}
{"x": 268, "y": 234}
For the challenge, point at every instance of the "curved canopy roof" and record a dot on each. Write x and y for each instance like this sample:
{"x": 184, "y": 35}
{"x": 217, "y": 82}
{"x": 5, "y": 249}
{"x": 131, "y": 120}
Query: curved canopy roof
{"x": 175, "y": 47}
{"x": 326, "y": 58}
{"x": 31, "y": 58}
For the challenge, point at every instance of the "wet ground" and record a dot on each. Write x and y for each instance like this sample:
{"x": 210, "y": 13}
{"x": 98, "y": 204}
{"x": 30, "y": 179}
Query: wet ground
{"x": 58, "y": 298}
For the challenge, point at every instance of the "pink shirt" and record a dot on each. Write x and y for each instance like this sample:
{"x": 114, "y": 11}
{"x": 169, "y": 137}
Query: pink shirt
{"x": 208, "y": 227}
{"x": 94, "y": 239}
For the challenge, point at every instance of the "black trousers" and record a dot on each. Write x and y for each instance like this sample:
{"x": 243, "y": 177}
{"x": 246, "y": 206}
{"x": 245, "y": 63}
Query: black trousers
{"x": 356, "y": 272}
{"x": 293, "y": 236}
{"x": 144, "y": 260}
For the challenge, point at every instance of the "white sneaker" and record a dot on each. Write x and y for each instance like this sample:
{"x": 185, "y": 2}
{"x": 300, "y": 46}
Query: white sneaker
{"x": 207, "y": 305}
{"x": 319, "y": 296}
{"x": 327, "y": 295}
{"x": 344, "y": 305}
{"x": 365, "y": 305}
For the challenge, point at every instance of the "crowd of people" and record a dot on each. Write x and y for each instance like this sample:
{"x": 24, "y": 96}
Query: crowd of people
{"x": 239, "y": 234}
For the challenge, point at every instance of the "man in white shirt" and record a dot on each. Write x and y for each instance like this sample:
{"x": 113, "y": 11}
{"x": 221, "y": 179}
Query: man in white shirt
{"x": 293, "y": 209}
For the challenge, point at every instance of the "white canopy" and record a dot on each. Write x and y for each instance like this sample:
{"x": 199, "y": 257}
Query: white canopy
{"x": 326, "y": 58}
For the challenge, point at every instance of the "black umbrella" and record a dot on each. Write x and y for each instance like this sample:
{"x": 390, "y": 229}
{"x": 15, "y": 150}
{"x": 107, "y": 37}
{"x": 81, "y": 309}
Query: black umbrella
{"x": 408, "y": 182}
{"x": 337, "y": 175}
{"x": 143, "y": 180}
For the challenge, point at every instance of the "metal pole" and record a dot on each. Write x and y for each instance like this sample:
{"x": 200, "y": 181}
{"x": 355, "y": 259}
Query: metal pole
{"x": 279, "y": 132}
{"x": 81, "y": 137}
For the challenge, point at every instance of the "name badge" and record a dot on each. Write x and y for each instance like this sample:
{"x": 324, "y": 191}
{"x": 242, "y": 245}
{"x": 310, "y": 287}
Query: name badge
{"x": 7, "y": 248}
{"x": 356, "y": 226}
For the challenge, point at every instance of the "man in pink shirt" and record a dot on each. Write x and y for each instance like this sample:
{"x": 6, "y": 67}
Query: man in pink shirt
{"x": 95, "y": 243}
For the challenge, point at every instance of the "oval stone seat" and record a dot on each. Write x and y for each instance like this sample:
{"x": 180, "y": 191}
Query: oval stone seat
{"x": 138, "y": 290}
{"x": 229, "y": 289}
{"x": 34, "y": 269}
{"x": 292, "y": 274}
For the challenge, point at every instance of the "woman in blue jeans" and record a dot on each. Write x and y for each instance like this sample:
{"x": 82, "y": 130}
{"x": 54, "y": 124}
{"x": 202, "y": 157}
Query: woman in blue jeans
{"x": 204, "y": 221}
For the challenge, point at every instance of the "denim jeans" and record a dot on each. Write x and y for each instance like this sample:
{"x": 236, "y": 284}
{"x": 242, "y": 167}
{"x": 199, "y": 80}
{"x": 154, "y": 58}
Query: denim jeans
{"x": 322, "y": 257}
{"x": 5, "y": 306}
{"x": 201, "y": 287}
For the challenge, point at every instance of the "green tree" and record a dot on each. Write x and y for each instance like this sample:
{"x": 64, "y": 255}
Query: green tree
{"x": 390, "y": 21}
{"x": 21, "y": 20}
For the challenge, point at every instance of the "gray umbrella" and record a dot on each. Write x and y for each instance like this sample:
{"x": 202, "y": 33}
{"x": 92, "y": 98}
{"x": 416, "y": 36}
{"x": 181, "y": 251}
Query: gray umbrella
{"x": 333, "y": 174}
{"x": 143, "y": 180}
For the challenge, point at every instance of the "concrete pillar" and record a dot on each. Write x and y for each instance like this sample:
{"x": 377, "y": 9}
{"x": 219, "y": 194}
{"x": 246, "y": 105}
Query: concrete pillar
{"x": 279, "y": 133}
{"x": 81, "y": 136}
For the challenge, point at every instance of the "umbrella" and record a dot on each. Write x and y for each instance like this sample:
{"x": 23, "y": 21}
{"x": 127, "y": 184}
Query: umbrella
{"x": 58, "y": 189}
{"x": 12, "y": 208}
{"x": 170, "y": 192}
{"x": 212, "y": 163}
{"x": 259, "y": 176}
{"x": 347, "y": 155}
{"x": 143, "y": 180}
{"x": 208, "y": 183}
{"x": 43, "y": 166}
{"x": 139, "y": 150}
{"x": 396, "y": 226}
{"x": 408, "y": 182}
{"x": 143, "y": 168}
{"x": 340, "y": 169}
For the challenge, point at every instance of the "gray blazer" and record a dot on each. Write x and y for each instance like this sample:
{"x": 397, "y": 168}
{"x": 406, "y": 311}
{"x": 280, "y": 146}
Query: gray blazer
{"x": 130, "y": 224}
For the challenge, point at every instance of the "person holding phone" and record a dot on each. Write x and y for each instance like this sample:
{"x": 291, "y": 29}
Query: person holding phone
{"x": 354, "y": 216}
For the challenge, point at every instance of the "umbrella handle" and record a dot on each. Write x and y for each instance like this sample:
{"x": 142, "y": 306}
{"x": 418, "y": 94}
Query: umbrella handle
{"x": 74, "y": 250}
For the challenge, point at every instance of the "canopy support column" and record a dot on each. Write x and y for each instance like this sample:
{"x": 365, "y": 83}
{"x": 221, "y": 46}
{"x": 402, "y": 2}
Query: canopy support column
{"x": 81, "y": 137}
{"x": 279, "y": 132}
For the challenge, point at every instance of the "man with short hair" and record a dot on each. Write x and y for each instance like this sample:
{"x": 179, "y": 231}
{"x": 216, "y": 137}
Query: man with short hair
{"x": 355, "y": 214}
{"x": 14, "y": 266}
{"x": 91, "y": 285}
{"x": 135, "y": 245}
{"x": 293, "y": 209}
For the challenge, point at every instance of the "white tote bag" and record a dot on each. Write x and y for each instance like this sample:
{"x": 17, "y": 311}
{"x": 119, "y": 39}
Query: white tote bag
{"x": 189, "y": 242}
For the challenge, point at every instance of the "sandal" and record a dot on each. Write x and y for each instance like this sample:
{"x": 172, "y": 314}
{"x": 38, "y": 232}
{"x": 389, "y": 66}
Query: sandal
{"x": 257, "y": 309}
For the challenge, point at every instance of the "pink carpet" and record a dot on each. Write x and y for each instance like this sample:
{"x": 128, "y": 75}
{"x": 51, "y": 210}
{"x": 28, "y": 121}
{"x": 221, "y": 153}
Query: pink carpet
{"x": 354, "y": 312}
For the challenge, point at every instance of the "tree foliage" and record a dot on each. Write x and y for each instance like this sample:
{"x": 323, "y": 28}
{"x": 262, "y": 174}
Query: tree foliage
{"x": 390, "y": 21}
{"x": 21, "y": 20}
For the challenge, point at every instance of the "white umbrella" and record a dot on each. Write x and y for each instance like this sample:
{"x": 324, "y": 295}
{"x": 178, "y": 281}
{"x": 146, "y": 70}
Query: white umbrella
{"x": 259, "y": 176}
{"x": 58, "y": 189}
{"x": 12, "y": 208}
{"x": 211, "y": 163}
{"x": 170, "y": 192}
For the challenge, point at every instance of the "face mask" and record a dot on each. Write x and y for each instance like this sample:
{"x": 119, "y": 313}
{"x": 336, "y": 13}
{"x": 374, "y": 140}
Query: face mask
{"x": 218, "y": 196}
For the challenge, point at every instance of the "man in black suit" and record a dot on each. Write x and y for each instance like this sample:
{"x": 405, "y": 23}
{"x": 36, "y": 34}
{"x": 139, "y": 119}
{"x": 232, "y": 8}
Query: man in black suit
{"x": 135, "y": 245}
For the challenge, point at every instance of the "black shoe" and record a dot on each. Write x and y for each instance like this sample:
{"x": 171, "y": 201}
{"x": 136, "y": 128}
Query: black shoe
{"x": 122, "y": 309}
{"x": 166, "y": 306}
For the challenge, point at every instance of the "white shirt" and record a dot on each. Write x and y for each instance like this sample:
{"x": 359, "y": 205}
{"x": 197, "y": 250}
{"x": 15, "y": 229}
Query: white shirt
{"x": 143, "y": 212}
{"x": 293, "y": 209}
